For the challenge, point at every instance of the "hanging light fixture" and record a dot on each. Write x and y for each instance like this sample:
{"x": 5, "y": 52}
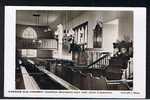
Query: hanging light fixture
{"x": 48, "y": 29}
{"x": 37, "y": 15}
{"x": 67, "y": 26}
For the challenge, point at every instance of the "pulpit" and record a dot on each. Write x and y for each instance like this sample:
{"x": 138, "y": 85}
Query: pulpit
{"x": 119, "y": 62}
{"x": 79, "y": 56}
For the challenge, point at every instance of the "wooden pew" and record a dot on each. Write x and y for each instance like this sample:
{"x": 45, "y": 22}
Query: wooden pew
{"x": 29, "y": 82}
{"x": 58, "y": 79}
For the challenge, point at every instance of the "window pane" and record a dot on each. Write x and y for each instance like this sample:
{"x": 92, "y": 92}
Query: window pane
{"x": 29, "y": 33}
{"x": 29, "y": 53}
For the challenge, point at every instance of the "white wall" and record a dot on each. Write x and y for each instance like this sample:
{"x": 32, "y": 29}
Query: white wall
{"x": 125, "y": 27}
{"x": 110, "y": 35}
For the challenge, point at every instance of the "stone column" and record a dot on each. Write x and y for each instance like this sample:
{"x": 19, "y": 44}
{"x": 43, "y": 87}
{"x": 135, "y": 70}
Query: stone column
{"x": 60, "y": 36}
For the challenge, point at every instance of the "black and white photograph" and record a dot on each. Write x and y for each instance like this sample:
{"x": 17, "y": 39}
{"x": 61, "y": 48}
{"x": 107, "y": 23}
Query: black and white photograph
{"x": 87, "y": 50}
{"x": 75, "y": 50}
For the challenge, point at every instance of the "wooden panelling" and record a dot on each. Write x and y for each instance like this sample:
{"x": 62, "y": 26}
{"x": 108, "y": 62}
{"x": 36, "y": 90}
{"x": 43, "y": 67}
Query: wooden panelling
{"x": 30, "y": 44}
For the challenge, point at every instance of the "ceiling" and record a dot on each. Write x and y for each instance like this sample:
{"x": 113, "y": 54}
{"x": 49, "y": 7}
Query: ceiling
{"x": 52, "y": 18}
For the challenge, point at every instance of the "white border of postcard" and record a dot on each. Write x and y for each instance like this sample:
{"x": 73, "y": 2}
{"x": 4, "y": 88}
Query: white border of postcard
{"x": 139, "y": 80}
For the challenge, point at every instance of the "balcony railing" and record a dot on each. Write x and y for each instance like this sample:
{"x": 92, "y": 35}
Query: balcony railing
{"x": 37, "y": 44}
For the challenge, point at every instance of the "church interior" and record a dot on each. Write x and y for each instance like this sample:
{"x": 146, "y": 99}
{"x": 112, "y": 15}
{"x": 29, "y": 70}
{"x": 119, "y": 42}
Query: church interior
{"x": 74, "y": 50}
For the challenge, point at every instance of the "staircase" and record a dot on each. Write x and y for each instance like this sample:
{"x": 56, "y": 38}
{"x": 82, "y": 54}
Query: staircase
{"x": 104, "y": 64}
{"x": 101, "y": 62}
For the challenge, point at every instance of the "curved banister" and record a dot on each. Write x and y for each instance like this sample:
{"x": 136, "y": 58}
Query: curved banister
{"x": 105, "y": 55}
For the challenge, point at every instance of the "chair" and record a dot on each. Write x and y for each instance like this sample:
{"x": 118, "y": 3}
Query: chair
{"x": 88, "y": 81}
{"x": 82, "y": 81}
{"x": 113, "y": 73}
{"x": 99, "y": 83}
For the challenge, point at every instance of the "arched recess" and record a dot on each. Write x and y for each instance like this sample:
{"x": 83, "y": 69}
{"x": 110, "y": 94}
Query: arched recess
{"x": 29, "y": 33}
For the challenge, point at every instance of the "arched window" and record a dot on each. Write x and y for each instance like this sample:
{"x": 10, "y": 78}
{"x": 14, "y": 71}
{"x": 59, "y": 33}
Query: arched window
{"x": 29, "y": 33}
